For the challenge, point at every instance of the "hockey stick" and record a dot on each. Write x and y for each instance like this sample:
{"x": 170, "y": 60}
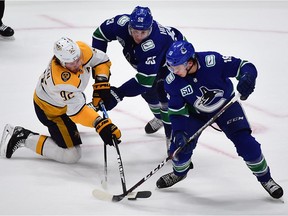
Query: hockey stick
{"x": 117, "y": 198}
{"x": 121, "y": 170}
{"x": 104, "y": 184}
{"x": 131, "y": 196}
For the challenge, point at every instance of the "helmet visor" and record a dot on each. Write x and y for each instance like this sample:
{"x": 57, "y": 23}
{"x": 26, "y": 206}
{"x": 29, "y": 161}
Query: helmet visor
{"x": 176, "y": 68}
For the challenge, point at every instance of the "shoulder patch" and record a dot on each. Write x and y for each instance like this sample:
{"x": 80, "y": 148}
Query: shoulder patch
{"x": 65, "y": 76}
{"x": 210, "y": 60}
{"x": 187, "y": 90}
{"x": 123, "y": 20}
{"x": 148, "y": 45}
{"x": 170, "y": 78}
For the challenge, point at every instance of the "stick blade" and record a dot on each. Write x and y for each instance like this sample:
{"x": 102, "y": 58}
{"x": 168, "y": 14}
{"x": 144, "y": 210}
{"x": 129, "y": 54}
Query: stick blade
{"x": 102, "y": 195}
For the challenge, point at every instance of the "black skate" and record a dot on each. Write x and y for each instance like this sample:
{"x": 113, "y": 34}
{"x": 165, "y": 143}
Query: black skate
{"x": 153, "y": 126}
{"x": 12, "y": 139}
{"x": 170, "y": 179}
{"x": 273, "y": 188}
{"x": 6, "y": 31}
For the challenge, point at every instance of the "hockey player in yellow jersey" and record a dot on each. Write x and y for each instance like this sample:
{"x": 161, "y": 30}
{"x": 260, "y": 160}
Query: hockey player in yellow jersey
{"x": 60, "y": 104}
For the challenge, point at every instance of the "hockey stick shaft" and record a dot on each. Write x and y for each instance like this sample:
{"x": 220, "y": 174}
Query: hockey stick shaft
{"x": 105, "y": 115}
{"x": 120, "y": 164}
{"x": 105, "y": 164}
{"x": 119, "y": 159}
{"x": 159, "y": 166}
{"x": 91, "y": 105}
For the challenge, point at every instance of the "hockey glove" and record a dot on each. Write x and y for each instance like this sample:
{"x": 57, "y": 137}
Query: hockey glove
{"x": 246, "y": 85}
{"x": 101, "y": 92}
{"x": 107, "y": 130}
{"x": 180, "y": 140}
{"x": 115, "y": 98}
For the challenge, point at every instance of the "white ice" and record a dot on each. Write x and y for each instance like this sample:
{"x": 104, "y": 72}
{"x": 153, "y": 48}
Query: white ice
{"x": 220, "y": 183}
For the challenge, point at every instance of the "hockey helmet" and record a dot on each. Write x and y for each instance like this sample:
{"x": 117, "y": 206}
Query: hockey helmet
{"x": 141, "y": 18}
{"x": 66, "y": 50}
{"x": 179, "y": 53}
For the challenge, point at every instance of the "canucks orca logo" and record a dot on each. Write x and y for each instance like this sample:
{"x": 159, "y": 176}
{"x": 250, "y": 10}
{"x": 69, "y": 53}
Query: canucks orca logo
{"x": 209, "y": 101}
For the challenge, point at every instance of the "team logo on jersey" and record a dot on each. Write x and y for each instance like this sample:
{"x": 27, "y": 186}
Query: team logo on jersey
{"x": 208, "y": 101}
{"x": 187, "y": 90}
{"x": 65, "y": 76}
{"x": 170, "y": 78}
{"x": 210, "y": 60}
{"x": 148, "y": 45}
{"x": 150, "y": 60}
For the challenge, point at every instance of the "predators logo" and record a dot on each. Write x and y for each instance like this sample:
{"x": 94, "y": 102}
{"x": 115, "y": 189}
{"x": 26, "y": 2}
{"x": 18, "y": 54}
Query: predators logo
{"x": 65, "y": 76}
{"x": 58, "y": 47}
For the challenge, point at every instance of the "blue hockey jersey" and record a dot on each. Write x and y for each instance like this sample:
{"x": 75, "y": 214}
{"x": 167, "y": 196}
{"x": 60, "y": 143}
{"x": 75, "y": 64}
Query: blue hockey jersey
{"x": 204, "y": 92}
{"x": 148, "y": 57}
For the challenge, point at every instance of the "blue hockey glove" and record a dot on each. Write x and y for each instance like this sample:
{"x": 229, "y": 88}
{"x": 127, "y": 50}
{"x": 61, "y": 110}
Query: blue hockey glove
{"x": 180, "y": 140}
{"x": 114, "y": 99}
{"x": 246, "y": 85}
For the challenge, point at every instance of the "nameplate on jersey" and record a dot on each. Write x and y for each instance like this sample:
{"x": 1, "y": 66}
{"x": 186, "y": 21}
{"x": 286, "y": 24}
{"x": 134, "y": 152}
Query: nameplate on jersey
{"x": 210, "y": 60}
{"x": 187, "y": 90}
{"x": 148, "y": 45}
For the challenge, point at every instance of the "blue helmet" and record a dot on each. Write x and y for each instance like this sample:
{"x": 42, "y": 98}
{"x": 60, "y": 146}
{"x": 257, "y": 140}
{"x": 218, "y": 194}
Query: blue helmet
{"x": 141, "y": 18}
{"x": 179, "y": 53}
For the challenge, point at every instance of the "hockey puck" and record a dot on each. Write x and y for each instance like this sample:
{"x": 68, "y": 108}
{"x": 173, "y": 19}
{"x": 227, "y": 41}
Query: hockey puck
{"x": 132, "y": 198}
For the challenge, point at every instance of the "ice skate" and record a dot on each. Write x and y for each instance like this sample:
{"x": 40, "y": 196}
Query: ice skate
{"x": 6, "y": 135}
{"x": 169, "y": 180}
{"x": 6, "y": 31}
{"x": 273, "y": 188}
{"x": 12, "y": 139}
{"x": 153, "y": 125}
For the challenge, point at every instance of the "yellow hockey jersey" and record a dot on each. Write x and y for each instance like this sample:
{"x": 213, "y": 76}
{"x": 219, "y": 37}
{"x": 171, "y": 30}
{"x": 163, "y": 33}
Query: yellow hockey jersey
{"x": 60, "y": 91}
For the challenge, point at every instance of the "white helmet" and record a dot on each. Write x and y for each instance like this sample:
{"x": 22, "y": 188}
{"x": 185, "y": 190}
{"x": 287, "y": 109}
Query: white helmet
{"x": 66, "y": 50}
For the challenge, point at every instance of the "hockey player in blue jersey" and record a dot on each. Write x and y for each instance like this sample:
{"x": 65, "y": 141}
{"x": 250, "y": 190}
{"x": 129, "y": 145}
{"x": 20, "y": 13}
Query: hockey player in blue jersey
{"x": 199, "y": 86}
{"x": 144, "y": 43}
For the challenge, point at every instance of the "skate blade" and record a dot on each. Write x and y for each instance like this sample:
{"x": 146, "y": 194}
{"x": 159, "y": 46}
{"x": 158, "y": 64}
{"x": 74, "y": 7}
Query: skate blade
{"x": 7, "y": 133}
{"x": 11, "y": 38}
